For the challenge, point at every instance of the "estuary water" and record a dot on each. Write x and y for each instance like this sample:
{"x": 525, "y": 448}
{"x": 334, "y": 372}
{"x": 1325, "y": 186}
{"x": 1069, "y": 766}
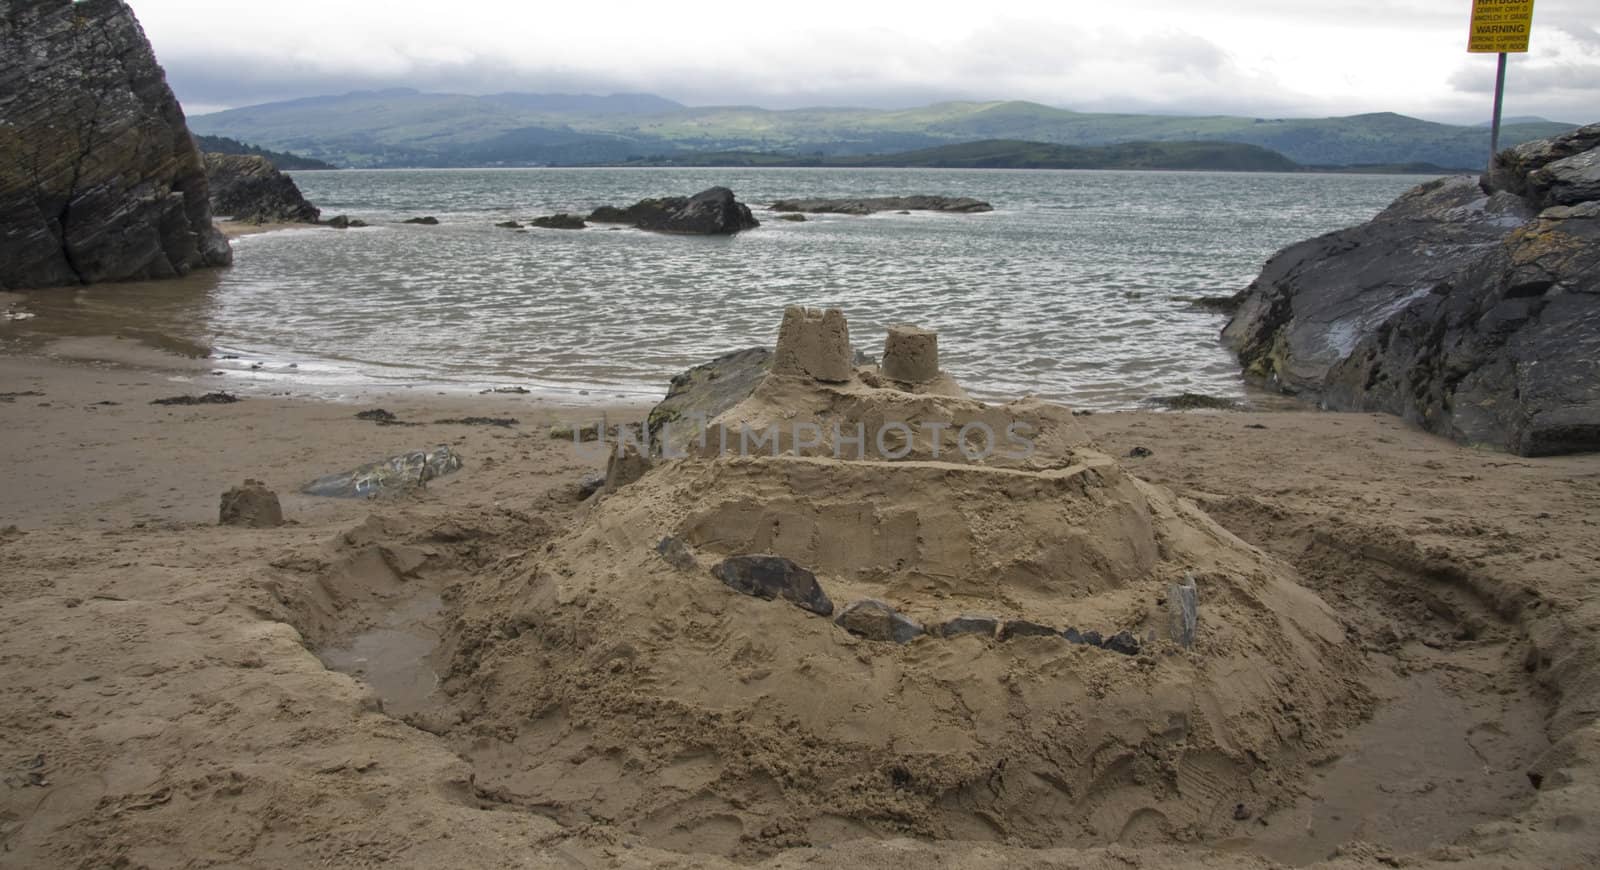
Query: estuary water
{"x": 1076, "y": 288}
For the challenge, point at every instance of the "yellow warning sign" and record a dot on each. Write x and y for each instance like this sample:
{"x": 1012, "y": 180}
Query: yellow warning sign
{"x": 1500, "y": 25}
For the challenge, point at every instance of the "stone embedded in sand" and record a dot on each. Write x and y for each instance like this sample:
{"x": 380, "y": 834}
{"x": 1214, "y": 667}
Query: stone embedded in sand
{"x": 1122, "y": 642}
{"x": 394, "y": 474}
{"x": 911, "y": 355}
{"x": 677, "y": 554}
{"x": 875, "y": 620}
{"x": 772, "y": 577}
{"x": 251, "y": 505}
{"x": 1183, "y": 611}
{"x": 625, "y": 466}
{"x": 1024, "y": 628}
{"x": 815, "y": 344}
{"x": 985, "y": 626}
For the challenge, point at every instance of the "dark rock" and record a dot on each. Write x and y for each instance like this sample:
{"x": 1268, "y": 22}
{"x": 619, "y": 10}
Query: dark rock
{"x": 870, "y": 205}
{"x": 251, "y": 505}
{"x": 1513, "y": 169}
{"x": 1089, "y": 638}
{"x": 793, "y": 217}
{"x": 378, "y": 415}
{"x": 590, "y": 484}
{"x": 1572, "y": 181}
{"x": 772, "y": 577}
{"x": 1122, "y": 642}
{"x": 710, "y": 212}
{"x": 339, "y": 222}
{"x": 1183, "y": 612}
{"x": 875, "y": 620}
{"x": 1241, "y": 813}
{"x": 509, "y": 225}
{"x": 1470, "y": 314}
{"x": 701, "y": 393}
{"x": 1222, "y": 304}
{"x": 1023, "y": 628}
{"x": 429, "y": 221}
{"x": 560, "y": 222}
{"x": 207, "y": 399}
{"x": 677, "y": 553}
{"x": 502, "y": 422}
{"x": 100, "y": 179}
{"x": 355, "y": 224}
{"x": 984, "y": 626}
{"x": 1194, "y": 402}
{"x": 394, "y": 474}
{"x": 250, "y": 189}
{"x": 1141, "y": 453}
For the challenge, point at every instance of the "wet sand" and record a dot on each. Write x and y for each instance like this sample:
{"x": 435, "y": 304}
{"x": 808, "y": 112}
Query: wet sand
{"x": 164, "y": 706}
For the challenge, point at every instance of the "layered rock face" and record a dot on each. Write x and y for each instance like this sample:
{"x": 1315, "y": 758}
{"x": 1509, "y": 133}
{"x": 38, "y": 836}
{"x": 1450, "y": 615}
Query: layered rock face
{"x": 99, "y": 178}
{"x": 248, "y": 188}
{"x": 1470, "y": 308}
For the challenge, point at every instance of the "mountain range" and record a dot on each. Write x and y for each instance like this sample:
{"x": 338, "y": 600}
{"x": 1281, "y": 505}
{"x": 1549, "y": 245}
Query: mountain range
{"x": 403, "y": 127}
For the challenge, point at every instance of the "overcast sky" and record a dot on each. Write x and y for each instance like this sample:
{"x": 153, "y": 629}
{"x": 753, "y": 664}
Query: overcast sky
{"x": 1249, "y": 57}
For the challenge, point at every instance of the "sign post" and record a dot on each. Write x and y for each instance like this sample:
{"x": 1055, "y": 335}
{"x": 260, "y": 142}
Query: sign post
{"x": 1499, "y": 27}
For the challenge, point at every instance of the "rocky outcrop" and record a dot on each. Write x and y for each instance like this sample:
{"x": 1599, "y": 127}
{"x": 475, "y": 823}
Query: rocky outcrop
{"x": 99, "y": 177}
{"x": 713, "y": 212}
{"x": 250, "y": 189}
{"x": 870, "y": 205}
{"x": 559, "y": 222}
{"x": 1471, "y": 308}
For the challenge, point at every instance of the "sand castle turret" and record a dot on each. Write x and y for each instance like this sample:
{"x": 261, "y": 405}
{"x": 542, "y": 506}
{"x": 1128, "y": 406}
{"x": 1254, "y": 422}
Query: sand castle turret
{"x": 911, "y": 355}
{"x": 815, "y": 344}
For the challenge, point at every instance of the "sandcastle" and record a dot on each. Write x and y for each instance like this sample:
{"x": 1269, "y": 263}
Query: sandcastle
{"x": 803, "y": 644}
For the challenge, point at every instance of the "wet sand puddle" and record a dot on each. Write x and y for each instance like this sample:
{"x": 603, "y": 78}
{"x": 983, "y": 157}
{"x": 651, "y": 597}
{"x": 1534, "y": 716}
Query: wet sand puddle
{"x": 395, "y": 657}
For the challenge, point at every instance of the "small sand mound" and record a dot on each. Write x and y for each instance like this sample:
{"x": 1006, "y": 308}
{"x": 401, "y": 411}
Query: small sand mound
{"x": 613, "y": 677}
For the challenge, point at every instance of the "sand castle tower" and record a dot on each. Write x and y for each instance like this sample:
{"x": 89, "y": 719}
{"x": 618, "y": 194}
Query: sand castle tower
{"x": 815, "y": 344}
{"x": 811, "y": 645}
{"x": 911, "y": 355}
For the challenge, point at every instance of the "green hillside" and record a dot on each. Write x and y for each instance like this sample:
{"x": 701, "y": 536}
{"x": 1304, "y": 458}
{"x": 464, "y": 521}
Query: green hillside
{"x": 1013, "y": 154}
{"x": 408, "y": 128}
{"x": 282, "y": 160}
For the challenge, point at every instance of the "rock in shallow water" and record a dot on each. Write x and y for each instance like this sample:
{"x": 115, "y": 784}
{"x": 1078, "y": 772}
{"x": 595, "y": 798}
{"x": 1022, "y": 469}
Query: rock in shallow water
{"x": 875, "y": 620}
{"x": 870, "y": 205}
{"x": 772, "y": 577}
{"x": 711, "y": 212}
{"x": 248, "y": 188}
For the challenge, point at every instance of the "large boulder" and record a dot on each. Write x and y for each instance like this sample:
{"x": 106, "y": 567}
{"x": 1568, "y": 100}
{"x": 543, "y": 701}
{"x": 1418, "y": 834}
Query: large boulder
{"x": 1472, "y": 309}
{"x": 249, "y": 188}
{"x": 99, "y": 177}
{"x": 712, "y": 212}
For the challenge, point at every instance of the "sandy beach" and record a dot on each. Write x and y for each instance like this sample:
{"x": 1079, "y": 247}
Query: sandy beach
{"x": 167, "y": 699}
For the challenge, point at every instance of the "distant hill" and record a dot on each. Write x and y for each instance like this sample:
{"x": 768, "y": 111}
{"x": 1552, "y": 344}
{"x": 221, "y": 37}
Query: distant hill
{"x": 284, "y": 161}
{"x": 1014, "y": 154}
{"x": 409, "y": 128}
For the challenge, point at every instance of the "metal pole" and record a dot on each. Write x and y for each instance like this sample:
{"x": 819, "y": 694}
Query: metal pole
{"x": 1499, "y": 97}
